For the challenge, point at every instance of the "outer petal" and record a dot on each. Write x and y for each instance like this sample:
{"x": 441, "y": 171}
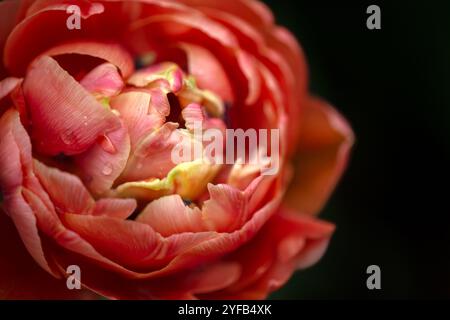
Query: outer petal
{"x": 27, "y": 40}
{"x": 173, "y": 276}
{"x": 286, "y": 241}
{"x": 15, "y": 161}
{"x": 129, "y": 243}
{"x": 10, "y": 11}
{"x": 325, "y": 142}
{"x": 111, "y": 52}
{"x": 8, "y": 87}
{"x": 21, "y": 277}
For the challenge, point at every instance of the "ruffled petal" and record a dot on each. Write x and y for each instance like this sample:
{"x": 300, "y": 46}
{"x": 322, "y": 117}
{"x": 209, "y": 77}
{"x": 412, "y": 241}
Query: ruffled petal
{"x": 104, "y": 81}
{"x": 152, "y": 156}
{"x": 287, "y": 241}
{"x": 228, "y": 208}
{"x": 169, "y": 215}
{"x": 15, "y": 161}
{"x": 66, "y": 118}
{"x": 142, "y": 112}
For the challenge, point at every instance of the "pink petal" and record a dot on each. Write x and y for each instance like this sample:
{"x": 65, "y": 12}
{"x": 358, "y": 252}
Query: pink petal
{"x": 15, "y": 152}
{"x": 15, "y": 161}
{"x": 129, "y": 243}
{"x": 208, "y": 72}
{"x": 27, "y": 40}
{"x": 66, "y": 118}
{"x": 193, "y": 114}
{"x": 66, "y": 190}
{"x": 219, "y": 41}
{"x": 7, "y": 85}
{"x": 152, "y": 156}
{"x": 115, "y": 208}
{"x": 169, "y": 215}
{"x": 103, "y": 81}
{"x": 228, "y": 208}
{"x": 105, "y": 161}
{"x": 126, "y": 242}
{"x": 142, "y": 112}
{"x": 167, "y": 76}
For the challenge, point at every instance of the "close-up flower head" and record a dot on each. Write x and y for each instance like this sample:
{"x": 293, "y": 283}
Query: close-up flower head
{"x": 147, "y": 145}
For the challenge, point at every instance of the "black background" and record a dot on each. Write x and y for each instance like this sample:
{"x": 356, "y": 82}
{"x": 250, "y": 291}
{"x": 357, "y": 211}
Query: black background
{"x": 391, "y": 208}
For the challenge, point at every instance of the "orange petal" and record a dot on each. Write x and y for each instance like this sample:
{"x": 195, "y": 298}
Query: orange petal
{"x": 325, "y": 142}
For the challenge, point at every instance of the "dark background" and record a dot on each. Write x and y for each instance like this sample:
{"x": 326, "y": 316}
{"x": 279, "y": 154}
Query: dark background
{"x": 393, "y": 84}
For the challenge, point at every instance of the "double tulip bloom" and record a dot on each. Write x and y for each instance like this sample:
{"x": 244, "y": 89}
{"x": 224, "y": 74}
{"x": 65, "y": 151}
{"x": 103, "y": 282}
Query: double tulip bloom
{"x": 89, "y": 119}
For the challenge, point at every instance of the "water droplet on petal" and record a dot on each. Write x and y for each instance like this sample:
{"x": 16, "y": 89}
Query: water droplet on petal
{"x": 107, "y": 169}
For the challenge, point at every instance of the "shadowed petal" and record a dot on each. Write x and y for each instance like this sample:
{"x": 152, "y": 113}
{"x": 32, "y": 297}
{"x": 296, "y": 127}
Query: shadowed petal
{"x": 20, "y": 276}
{"x": 111, "y": 52}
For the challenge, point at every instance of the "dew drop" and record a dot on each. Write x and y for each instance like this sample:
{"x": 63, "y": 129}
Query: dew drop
{"x": 107, "y": 169}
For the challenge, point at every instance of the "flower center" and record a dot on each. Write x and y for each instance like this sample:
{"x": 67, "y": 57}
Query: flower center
{"x": 161, "y": 105}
